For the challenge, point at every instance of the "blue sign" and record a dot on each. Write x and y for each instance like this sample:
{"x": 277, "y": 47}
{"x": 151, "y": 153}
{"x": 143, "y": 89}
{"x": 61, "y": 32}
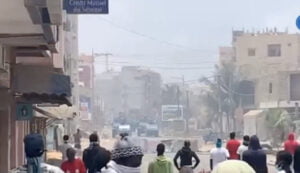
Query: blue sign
{"x": 86, "y": 6}
{"x": 24, "y": 111}
{"x": 298, "y": 22}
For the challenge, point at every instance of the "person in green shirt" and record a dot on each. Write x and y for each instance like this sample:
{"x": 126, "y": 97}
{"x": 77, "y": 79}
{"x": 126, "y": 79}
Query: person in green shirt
{"x": 161, "y": 164}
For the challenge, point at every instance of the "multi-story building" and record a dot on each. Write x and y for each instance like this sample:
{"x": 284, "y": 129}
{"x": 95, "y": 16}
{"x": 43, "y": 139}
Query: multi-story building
{"x": 72, "y": 55}
{"x": 270, "y": 64}
{"x": 141, "y": 90}
{"x": 133, "y": 91}
{"x": 108, "y": 91}
{"x": 32, "y": 71}
{"x": 86, "y": 89}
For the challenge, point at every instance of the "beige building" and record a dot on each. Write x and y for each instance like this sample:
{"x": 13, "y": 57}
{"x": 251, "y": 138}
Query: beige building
{"x": 269, "y": 63}
{"x": 32, "y": 71}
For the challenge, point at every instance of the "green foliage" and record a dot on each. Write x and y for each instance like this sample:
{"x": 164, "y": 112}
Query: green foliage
{"x": 227, "y": 77}
{"x": 278, "y": 122}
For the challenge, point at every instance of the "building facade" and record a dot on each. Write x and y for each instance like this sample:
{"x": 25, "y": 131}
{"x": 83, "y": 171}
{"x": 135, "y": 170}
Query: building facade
{"x": 269, "y": 63}
{"x": 134, "y": 91}
{"x": 86, "y": 89}
{"x": 141, "y": 91}
{"x": 31, "y": 70}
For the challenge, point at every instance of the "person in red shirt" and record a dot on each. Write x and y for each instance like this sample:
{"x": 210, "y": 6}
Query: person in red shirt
{"x": 232, "y": 146}
{"x": 291, "y": 144}
{"x": 73, "y": 165}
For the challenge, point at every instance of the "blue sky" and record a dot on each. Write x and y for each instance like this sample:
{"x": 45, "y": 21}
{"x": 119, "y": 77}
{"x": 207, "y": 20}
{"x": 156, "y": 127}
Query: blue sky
{"x": 176, "y": 37}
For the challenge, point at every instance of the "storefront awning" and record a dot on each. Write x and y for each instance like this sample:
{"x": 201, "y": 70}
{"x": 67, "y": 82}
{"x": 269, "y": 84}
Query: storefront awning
{"x": 38, "y": 84}
{"x": 59, "y": 112}
{"x": 253, "y": 113}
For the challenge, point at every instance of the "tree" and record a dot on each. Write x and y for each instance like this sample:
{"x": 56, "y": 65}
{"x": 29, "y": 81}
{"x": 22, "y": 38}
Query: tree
{"x": 278, "y": 121}
{"x": 224, "y": 86}
{"x": 170, "y": 94}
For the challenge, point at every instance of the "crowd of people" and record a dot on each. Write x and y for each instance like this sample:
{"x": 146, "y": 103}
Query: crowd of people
{"x": 126, "y": 157}
{"x": 251, "y": 153}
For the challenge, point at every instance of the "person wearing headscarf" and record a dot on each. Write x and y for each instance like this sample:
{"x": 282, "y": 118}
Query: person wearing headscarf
{"x": 255, "y": 156}
{"x": 126, "y": 157}
{"x": 218, "y": 154}
{"x": 244, "y": 146}
{"x": 34, "y": 143}
{"x": 291, "y": 144}
{"x": 283, "y": 162}
{"x": 233, "y": 166}
{"x": 297, "y": 160}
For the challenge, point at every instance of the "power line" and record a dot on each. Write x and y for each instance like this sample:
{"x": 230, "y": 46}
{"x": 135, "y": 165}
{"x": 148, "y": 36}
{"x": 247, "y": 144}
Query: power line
{"x": 150, "y": 37}
{"x": 230, "y": 90}
{"x": 164, "y": 67}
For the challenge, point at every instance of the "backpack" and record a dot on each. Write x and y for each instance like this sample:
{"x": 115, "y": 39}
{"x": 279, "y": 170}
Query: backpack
{"x": 34, "y": 145}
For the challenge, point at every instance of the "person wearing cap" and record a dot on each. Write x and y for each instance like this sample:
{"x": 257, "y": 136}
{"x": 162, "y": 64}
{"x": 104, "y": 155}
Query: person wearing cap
{"x": 218, "y": 154}
{"x": 126, "y": 157}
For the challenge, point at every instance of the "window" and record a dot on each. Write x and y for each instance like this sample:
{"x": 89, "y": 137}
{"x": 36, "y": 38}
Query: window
{"x": 270, "y": 88}
{"x": 251, "y": 52}
{"x": 294, "y": 87}
{"x": 2, "y": 57}
{"x": 274, "y": 50}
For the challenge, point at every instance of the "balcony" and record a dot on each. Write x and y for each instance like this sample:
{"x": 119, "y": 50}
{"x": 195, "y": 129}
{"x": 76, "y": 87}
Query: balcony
{"x": 32, "y": 24}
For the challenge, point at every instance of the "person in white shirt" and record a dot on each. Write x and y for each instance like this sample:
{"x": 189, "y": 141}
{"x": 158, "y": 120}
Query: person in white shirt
{"x": 218, "y": 154}
{"x": 243, "y": 147}
{"x": 63, "y": 148}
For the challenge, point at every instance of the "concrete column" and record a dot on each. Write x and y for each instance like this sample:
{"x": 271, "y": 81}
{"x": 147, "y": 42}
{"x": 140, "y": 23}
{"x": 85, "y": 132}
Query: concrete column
{"x": 4, "y": 131}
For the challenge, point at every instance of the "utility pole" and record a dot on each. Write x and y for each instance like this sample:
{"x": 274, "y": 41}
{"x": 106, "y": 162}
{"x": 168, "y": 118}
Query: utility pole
{"x": 106, "y": 55}
{"x": 219, "y": 106}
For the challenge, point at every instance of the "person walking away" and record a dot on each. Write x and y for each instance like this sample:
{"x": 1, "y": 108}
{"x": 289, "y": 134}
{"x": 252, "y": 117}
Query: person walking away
{"x": 95, "y": 157}
{"x": 77, "y": 139}
{"x": 72, "y": 165}
{"x": 218, "y": 154}
{"x": 232, "y": 146}
{"x": 126, "y": 157}
{"x": 161, "y": 164}
{"x": 296, "y": 162}
{"x": 34, "y": 151}
{"x": 186, "y": 155}
{"x": 291, "y": 144}
{"x": 243, "y": 147}
{"x": 255, "y": 156}
{"x": 284, "y": 160}
{"x": 63, "y": 148}
{"x": 233, "y": 166}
